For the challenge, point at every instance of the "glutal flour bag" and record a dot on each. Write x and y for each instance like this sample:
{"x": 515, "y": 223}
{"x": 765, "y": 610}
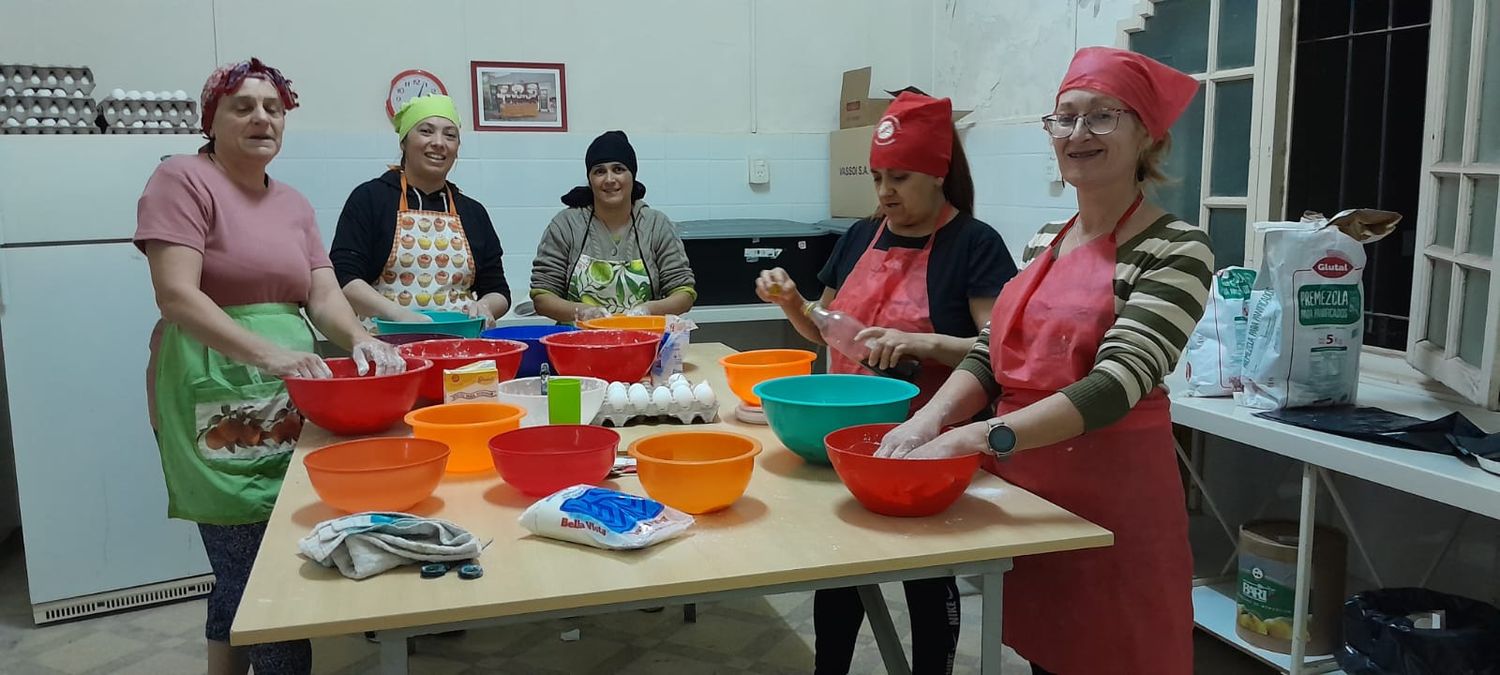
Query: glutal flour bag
{"x": 1306, "y": 311}
{"x": 1215, "y": 350}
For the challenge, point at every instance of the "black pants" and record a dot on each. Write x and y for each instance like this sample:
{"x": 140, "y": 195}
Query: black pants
{"x": 933, "y": 605}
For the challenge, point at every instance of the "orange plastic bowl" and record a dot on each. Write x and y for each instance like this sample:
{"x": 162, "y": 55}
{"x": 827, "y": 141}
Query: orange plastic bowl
{"x": 651, "y": 324}
{"x": 451, "y": 354}
{"x": 467, "y": 429}
{"x": 896, "y": 487}
{"x": 695, "y": 471}
{"x": 747, "y": 369}
{"x": 376, "y": 474}
{"x": 350, "y": 405}
{"x": 539, "y": 461}
{"x": 610, "y": 355}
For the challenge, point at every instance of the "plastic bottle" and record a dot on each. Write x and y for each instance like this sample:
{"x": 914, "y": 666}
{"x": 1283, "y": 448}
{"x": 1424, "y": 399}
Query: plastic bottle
{"x": 839, "y": 331}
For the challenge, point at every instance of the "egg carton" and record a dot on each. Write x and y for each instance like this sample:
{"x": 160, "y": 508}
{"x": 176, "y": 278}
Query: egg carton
{"x": 72, "y": 110}
{"x": 175, "y": 113}
{"x": 680, "y": 400}
{"x": 48, "y": 125}
{"x": 79, "y": 79}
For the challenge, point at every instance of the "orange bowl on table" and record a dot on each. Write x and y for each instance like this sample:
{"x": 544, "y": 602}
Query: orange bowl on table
{"x": 376, "y": 474}
{"x": 467, "y": 429}
{"x": 747, "y": 369}
{"x": 897, "y": 487}
{"x": 695, "y": 471}
{"x": 651, "y": 323}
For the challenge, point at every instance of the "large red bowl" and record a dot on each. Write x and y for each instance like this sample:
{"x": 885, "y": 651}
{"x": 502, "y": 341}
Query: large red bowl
{"x": 539, "y": 461}
{"x": 896, "y": 487}
{"x": 456, "y": 353}
{"x": 610, "y": 355}
{"x": 350, "y": 405}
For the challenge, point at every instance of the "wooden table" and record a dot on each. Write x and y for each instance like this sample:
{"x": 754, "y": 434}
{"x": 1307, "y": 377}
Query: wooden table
{"x": 796, "y": 529}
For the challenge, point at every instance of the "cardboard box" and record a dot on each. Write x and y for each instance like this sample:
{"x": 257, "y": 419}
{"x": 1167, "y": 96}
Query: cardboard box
{"x": 858, "y": 109}
{"x": 851, "y": 189}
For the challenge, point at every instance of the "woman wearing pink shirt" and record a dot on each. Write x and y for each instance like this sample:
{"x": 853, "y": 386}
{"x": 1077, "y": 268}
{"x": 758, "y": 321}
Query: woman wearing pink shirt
{"x": 235, "y": 260}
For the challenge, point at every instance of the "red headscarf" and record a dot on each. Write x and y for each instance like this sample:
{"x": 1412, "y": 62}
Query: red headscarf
{"x": 228, "y": 78}
{"x": 1156, "y": 92}
{"x": 916, "y": 134}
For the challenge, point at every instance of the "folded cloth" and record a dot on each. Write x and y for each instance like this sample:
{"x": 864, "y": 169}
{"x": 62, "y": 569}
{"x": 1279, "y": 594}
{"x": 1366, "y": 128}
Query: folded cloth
{"x": 1454, "y": 434}
{"x": 365, "y": 544}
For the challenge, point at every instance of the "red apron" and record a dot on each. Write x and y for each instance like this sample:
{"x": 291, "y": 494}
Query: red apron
{"x": 889, "y": 289}
{"x": 1122, "y": 609}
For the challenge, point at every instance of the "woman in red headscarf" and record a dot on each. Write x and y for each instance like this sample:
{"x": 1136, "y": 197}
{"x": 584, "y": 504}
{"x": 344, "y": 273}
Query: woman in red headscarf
{"x": 1075, "y": 354}
{"x": 925, "y": 275}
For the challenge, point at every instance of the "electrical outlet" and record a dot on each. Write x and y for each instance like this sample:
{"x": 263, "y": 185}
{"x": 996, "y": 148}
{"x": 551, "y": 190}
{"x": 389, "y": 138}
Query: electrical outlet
{"x": 760, "y": 172}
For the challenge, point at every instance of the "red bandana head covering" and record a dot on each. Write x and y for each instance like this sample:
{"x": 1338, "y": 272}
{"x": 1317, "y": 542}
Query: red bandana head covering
{"x": 916, "y": 134}
{"x": 228, "y": 78}
{"x": 1156, "y": 92}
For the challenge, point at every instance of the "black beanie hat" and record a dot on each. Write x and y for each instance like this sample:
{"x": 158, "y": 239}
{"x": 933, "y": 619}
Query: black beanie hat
{"x": 610, "y": 146}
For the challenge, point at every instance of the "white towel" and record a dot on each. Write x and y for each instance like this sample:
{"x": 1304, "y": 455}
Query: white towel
{"x": 365, "y": 544}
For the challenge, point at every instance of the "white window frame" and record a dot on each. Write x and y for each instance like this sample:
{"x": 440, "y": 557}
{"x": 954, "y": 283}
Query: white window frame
{"x": 1270, "y": 129}
{"x": 1479, "y": 383}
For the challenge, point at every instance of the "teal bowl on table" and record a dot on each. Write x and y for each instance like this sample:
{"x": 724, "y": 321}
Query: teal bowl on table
{"x": 803, "y": 409}
{"x": 456, "y": 324}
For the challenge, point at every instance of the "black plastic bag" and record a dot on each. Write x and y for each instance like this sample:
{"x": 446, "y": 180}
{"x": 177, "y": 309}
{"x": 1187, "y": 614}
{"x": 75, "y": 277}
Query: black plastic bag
{"x": 1380, "y": 639}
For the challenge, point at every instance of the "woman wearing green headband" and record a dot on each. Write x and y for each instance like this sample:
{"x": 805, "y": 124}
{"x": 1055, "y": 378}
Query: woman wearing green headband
{"x": 409, "y": 241}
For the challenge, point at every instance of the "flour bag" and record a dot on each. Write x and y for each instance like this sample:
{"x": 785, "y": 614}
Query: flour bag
{"x": 1305, "y": 327}
{"x": 595, "y": 516}
{"x": 1215, "y": 351}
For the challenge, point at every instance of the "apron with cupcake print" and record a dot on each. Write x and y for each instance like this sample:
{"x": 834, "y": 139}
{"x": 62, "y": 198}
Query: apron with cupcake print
{"x": 431, "y": 267}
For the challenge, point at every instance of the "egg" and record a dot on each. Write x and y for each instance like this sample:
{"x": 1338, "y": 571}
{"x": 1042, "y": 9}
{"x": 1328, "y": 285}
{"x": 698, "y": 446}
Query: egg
{"x": 149, "y": 96}
{"x": 132, "y": 95}
{"x": 676, "y": 379}
{"x": 117, "y": 93}
{"x": 12, "y": 122}
{"x": 31, "y": 122}
{"x": 137, "y": 124}
{"x": 661, "y": 399}
{"x": 34, "y": 80}
{"x": 682, "y": 396}
{"x": 705, "y": 395}
{"x": 616, "y": 396}
{"x": 67, "y": 79}
{"x": 51, "y": 80}
{"x": 180, "y": 95}
{"x": 640, "y": 398}
{"x": 49, "y": 122}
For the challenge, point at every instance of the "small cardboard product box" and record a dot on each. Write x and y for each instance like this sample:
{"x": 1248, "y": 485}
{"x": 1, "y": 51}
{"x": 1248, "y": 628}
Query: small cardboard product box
{"x": 850, "y": 190}
{"x": 1265, "y": 600}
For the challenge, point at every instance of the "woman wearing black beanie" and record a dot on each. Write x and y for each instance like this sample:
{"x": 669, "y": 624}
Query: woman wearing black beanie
{"x": 609, "y": 253}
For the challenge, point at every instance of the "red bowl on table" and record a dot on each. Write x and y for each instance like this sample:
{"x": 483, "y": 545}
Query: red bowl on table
{"x": 539, "y": 461}
{"x": 376, "y": 474}
{"x": 456, "y": 353}
{"x": 350, "y": 404}
{"x": 610, "y": 355}
{"x": 896, "y": 487}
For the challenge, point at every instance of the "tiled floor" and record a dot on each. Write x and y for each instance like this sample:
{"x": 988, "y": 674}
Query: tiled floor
{"x": 761, "y": 635}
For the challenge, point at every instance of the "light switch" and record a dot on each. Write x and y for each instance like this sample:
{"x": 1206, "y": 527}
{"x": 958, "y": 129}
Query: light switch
{"x": 760, "y": 172}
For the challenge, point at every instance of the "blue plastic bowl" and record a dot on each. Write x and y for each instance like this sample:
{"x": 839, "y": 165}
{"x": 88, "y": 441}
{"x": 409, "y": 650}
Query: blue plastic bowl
{"x": 803, "y": 409}
{"x": 536, "y": 353}
{"x": 456, "y": 324}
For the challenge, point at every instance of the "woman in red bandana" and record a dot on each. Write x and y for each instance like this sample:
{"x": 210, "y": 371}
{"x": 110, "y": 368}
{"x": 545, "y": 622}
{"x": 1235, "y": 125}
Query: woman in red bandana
{"x": 924, "y": 275}
{"x": 1074, "y": 359}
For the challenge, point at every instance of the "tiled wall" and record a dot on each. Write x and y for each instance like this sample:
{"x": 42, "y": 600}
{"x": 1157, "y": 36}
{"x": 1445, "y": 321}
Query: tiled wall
{"x": 1013, "y": 191}
{"x": 519, "y": 177}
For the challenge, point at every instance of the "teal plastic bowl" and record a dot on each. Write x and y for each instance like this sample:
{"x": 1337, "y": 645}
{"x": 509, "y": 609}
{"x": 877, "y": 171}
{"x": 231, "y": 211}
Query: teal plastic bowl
{"x": 456, "y": 324}
{"x": 805, "y": 408}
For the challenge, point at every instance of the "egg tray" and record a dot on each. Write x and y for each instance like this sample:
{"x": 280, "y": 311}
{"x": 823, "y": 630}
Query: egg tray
{"x": 71, "y": 110}
{"x": 58, "y": 127}
{"x": 172, "y": 116}
{"x": 695, "y": 415}
{"x": 71, "y": 79}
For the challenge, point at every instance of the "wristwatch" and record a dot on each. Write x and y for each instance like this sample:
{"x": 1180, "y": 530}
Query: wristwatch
{"x": 1001, "y": 439}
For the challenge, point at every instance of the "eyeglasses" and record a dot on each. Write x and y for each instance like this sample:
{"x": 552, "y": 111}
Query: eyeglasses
{"x": 1099, "y": 122}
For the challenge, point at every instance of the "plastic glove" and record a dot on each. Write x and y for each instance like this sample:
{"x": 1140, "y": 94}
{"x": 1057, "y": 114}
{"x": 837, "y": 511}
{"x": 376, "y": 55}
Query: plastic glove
{"x": 589, "y": 313}
{"x": 638, "y": 310}
{"x": 911, "y": 435}
{"x": 288, "y": 363}
{"x": 965, "y": 440}
{"x": 383, "y": 357}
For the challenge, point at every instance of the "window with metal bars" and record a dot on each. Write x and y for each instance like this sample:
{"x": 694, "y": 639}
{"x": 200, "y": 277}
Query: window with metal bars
{"x": 1359, "y": 98}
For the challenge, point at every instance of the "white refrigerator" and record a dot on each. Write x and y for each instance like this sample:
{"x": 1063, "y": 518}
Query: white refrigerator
{"x": 76, "y": 311}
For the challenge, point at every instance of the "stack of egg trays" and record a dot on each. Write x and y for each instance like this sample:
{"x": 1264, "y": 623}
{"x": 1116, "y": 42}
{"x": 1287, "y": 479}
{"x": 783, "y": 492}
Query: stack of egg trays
{"x": 47, "y": 100}
{"x": 150, "y": 113}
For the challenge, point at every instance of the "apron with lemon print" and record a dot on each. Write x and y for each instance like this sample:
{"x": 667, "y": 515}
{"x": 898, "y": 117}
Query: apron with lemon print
{"x": 431, "y": 267}
{"x": 615, "y": 285}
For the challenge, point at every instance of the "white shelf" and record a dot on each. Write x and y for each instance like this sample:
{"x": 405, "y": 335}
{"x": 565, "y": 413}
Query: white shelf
{"x": 1214, "y": 612}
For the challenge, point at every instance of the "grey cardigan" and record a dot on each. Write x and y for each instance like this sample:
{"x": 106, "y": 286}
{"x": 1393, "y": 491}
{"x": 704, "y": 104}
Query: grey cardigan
{"x": 574, "y": 231}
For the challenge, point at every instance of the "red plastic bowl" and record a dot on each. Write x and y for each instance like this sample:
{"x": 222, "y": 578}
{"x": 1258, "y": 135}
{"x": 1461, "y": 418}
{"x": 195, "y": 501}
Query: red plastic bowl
{"x": 376, "y": 474}
{"x": 542, "y": 460}
{"x": 896, "y": 487}
{"x": 610, "y": 355}
{"x": 351, "y": 405}
{"x": 456, "y": 353}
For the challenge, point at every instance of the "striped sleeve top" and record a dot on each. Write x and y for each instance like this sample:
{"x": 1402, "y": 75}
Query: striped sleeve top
{"x": 1161, "y": 282}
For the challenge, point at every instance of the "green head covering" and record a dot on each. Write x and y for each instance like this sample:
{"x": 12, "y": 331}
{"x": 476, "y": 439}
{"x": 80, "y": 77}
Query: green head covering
{"x": 421, "y": 108}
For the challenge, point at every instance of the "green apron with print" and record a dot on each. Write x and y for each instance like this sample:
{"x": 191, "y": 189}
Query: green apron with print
{"x": 613, "y": 285}
{"x": 226, "y": 430}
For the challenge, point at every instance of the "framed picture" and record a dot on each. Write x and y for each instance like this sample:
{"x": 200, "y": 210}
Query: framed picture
{"x": 514, "y": 96}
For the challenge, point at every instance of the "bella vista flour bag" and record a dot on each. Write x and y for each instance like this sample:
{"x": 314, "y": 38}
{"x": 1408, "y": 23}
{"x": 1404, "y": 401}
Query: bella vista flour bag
{"x": 1306, "y": 321}
{"x": 1215, "y": 351}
